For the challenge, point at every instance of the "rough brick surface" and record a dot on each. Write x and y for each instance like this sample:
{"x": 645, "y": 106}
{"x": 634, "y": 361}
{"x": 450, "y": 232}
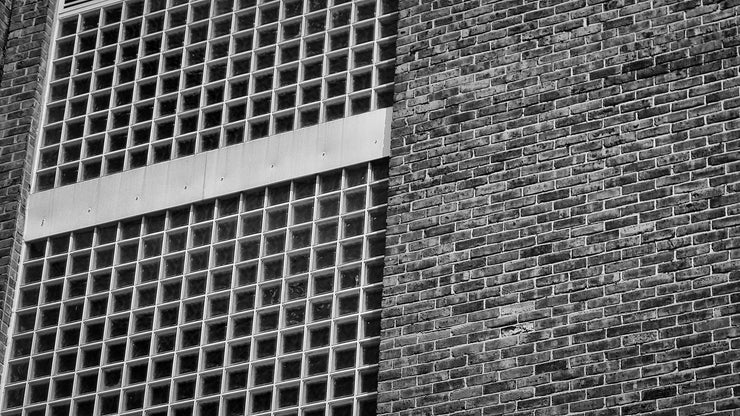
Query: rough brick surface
{"x": 25, "y": 29}
{"x": 563, "y": 230}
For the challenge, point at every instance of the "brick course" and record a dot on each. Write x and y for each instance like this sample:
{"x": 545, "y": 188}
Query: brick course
{"x": 25, "y": 29}
{"x": 563, "y": 225}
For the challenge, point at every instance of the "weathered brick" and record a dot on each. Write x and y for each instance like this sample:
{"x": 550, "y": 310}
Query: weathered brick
{"x": 593, "y": 168}
{"x": 24, "y": 45}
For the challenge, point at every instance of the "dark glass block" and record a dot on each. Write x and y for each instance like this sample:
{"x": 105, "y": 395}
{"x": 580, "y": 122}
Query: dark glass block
{"x": 50, "y": 316}
{"x": 261, "y": 401}
{"x": 134, "y": 399}
{"x": 372, "y": 327}
{"x": 147, "y": 296}
{"x": 140, "y": 347}
{"x": 15, "y": 396}
{"x": 57, "y": 268}
{"x": 273, "y": 269}
{"x": 112, "y": 377}
{"x": 237, "y": 380}
{"x": 216, "y": 331}
{"x": 344, "y": 359}
{"x": 370, "y": 354}
{"x": 373, "y": 299}
{"x": 271, "y": 295}
{"x": 297, "y": 289}
{"x": 168, "y": 317}
{"x": 39, "y": 392}
{"x": 315, "y": 391}
{"x": 291, "y": 369}
{"x": 211, "y": 385}
{"x": 160, "y": 394}
{"x": 162, "y": 368}
{"x": 193, "y": 311}
{"x": 119, "y": 327}
{"x": 137, "y": 373}
{"x": 188, "y": 363}
{"x": 219, "y": 306}
{"x": 143, "y": 322}
{"x": 348, "y": 304}
{"x": 30, "y": 297}
{"x": 176, "y": 265}
{"x": 94, "y": 332}
{"x": 319, "y": 337}
{"x": 347, "y": 331}
{"x": 85, "y": 407}
{"x": 323, "y": 284}
{"x": 18, "y": 371}
{"x": 70, "y": 337}
{"x": 68, "y": 361}
{"x": 21, "y": 347}
{"x": 33, "y": 273}
{"x": 116, "y": 353}
{"x": 334, "y": 111}
{"x": 235, "y": 406}
{"x": 264, "y": 374}
{"x": 275, "y": 244}
{"x": 149, "y": 272}
{"x": 42, "y": 367}
{"x": 244, "y": 301}
{"x": 214, "y": 358}
{"x": 62, "y": 388}
{"x": 45, "y": 342}
{"x": 295, "y": 316}
{"x": 292, "y": 342}
{"x": 266, "y": 347}
{"x": 91, "y": 357}
{"x": 344, "y": 386}
{"x": 240, "y": 353}
{"x": 269, "y": 321}
{"x": 88, "y": 383}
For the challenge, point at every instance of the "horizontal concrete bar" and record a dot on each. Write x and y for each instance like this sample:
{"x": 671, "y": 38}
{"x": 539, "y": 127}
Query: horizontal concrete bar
{"x": 254, "y": 164}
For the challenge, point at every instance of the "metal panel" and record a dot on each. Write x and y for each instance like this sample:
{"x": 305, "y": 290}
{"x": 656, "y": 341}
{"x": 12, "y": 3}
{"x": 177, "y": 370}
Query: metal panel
{"x": 277, "y": 158}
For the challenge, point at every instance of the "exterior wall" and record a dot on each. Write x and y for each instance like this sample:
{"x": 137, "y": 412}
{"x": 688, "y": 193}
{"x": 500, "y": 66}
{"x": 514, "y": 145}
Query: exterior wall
{"x": 563, "y": 216}
{"x": 25, "y": 28}
{"x": 308, "y": 151}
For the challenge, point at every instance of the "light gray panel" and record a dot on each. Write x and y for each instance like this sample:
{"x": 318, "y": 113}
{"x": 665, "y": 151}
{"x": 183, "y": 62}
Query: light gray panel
{"x": 307, "y": 151}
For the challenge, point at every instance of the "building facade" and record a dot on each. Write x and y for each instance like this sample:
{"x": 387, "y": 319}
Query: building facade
{"x": 360, "y": 207}
{"x": 199, "y": 206}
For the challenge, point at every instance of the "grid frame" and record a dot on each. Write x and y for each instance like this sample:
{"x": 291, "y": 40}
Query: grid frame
{"x": 139, "y": 82}
{"x": 183, "y": 330}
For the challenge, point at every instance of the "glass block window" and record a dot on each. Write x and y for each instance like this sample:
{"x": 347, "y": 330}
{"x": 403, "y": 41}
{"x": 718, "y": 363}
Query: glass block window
{"x": 144, "y": 81}
{"x": 267, "y": 301}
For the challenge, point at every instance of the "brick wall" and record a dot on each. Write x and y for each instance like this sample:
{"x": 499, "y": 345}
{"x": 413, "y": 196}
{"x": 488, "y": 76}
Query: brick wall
{"x": 563, "y": 232}
{"x": 28, "y": 24}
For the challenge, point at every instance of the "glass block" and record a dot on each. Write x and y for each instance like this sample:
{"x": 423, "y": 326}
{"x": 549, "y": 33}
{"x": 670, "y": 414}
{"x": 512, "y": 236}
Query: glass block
{"x": 347, "y": 331}
{"x": 190, "y": 337}
{"x": 315, "y": 391}
{"x": 299, "y": 263}
{"x": 222, "y": 280}
{"x": 244, "y": 301}
{"x": 295, "y": 315}
{"x": 193, "y": 311}
{"x": 273, "y": 269}
{"x": 243, "y": 326}
{"x": 266, "y": 347}
{"x": 321, "y": 310}
{"x": 237, "y": 380}
{"x": 261, "y": 401}
{"x": 274, "y": 243}
{"x": 293, "y": 342}
{"x": 371, "y": 327}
